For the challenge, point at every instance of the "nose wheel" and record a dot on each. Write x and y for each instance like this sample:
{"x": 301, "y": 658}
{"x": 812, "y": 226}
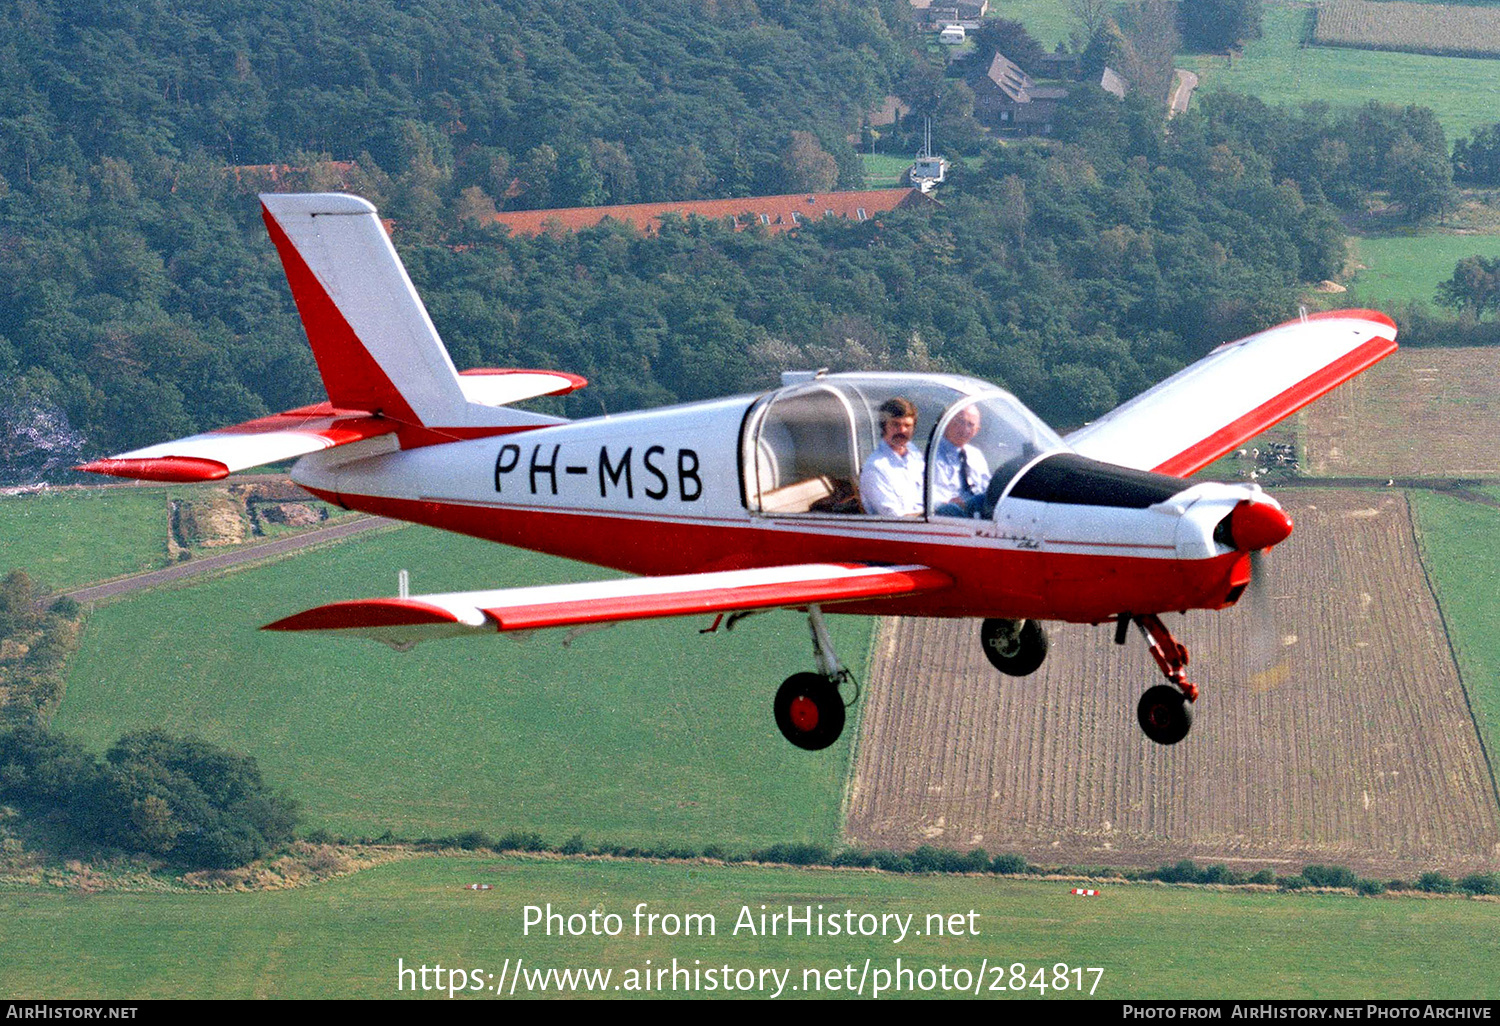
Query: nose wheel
{"x": 1165, "y": 712}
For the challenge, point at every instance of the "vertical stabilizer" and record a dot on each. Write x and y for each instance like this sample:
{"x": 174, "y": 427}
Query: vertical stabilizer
{"x": 370, "y": 334}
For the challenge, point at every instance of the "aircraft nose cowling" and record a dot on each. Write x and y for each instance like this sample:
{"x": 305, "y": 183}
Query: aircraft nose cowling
{"x": 1257, "y": 525}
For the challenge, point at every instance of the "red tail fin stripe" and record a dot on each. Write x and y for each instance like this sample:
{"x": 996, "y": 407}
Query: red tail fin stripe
{"x": 350, "y": 374}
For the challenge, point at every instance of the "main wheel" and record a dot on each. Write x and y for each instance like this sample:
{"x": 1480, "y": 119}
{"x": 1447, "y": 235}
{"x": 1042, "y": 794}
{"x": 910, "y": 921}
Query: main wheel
{"x": 1165, "y": 714}
{"x": 809, "y": 711}
{"x": 1015, "y": 649}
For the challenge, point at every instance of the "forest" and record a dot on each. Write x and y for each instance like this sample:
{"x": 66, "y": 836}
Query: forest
{"x": 140, "y": 300}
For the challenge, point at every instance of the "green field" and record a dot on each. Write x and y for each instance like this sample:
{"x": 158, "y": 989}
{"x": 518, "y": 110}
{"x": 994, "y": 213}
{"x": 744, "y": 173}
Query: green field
{"x": 68, "y": 538}
{"x": 1047, "y": 20}
{"x": 1407, "y": 268}
{"x": 1278, "y": 69}
{"x": 342, "y": 939}
{"x": 1459, "y": 548}
{"x": 883, "y": 171}
{"x": 644, "y": 733}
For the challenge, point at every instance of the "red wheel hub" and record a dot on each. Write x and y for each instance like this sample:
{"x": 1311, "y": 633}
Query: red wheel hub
{"x": 804, "y": 713}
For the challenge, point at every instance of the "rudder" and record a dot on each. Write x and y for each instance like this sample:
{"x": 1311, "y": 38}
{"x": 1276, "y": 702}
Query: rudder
{"x": 375, "y": 346}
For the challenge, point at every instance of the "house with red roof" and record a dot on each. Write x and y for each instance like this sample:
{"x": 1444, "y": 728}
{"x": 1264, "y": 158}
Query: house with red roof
{"x": 773, "y": 213}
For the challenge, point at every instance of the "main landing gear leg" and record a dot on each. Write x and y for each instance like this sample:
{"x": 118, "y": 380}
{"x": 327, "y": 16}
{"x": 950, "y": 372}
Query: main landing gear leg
{"x": 809, "y": 709}
{"x": 1165, "y": 711}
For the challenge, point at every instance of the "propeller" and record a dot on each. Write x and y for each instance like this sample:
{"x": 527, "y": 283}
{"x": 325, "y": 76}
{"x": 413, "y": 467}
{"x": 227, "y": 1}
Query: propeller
{"x": 1252, "y": 527}
{"x": 1265, "y": 658}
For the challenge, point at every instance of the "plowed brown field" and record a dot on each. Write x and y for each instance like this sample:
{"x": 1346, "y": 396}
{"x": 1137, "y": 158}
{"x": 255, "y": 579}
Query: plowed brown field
{"x": 1360, "y": 751}
{"x": 1418, "y": 413}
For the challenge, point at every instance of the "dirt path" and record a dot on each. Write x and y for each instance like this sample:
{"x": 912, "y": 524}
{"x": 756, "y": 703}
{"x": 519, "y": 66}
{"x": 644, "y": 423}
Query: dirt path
{"x": 223, "y": 560}
{"x": 1182, "y": 91}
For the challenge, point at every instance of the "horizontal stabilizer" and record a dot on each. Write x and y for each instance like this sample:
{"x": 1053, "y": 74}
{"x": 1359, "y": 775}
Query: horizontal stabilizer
{"x": 218, "y": 453}
{"x": 405, "y": 621}
{"x": 1236, "y": 392}
{"x": 498, "y": 387}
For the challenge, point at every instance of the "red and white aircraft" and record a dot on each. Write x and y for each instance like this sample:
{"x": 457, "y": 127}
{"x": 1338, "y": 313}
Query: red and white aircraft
{"x": 752, "y": 502}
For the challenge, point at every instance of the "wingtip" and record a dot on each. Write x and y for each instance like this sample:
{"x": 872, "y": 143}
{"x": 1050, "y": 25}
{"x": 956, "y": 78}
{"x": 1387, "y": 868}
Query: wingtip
{"x": 177, "y": 469}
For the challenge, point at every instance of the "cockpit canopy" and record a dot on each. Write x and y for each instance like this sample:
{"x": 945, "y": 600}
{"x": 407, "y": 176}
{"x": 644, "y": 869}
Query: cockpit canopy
{"x": 805, "y": 445}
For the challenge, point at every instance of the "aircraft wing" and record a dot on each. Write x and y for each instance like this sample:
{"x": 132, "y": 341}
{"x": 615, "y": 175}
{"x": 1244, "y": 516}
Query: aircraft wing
{"x": 405, "y": 621}
{"x": 1236, "y": 392}
{"x": 218, "y": 453}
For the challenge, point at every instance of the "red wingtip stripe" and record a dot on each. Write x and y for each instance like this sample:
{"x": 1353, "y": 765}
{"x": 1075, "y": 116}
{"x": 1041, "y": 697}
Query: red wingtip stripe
{"x": 387, "y": 612}
{"x": 162, "y": 468}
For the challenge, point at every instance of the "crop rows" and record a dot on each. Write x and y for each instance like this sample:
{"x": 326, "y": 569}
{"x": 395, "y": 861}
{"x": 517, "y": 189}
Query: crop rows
{"x": 1443, "y": 29}
{"x": 1419, "y": 413}
{"x": 1358, "y": 748}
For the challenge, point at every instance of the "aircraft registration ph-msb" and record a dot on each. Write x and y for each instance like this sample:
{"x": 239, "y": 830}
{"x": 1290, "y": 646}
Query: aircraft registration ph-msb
{"x": 754, "y": 502}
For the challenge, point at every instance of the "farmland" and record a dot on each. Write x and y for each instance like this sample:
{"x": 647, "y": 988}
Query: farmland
{"x": 1419, "y": 413}
{"x": 1357, "y": 747}
{"x": 1280, "y": 70}
{"x": 488, "y": 734}
{"x": 1450, "y": 30}
{"x": 342, "y": 939}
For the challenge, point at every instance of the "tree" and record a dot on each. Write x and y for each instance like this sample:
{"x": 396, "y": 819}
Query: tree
{"x": 1421, "y": 179}
{"x": 1001, "y": 35}
{"x": 1150, "y": 42}
{"x": 1091, "y": 15}
{"x": 1474, "y": 287}
{"x": 188, "y": 801}
{"x": 806, "y": 166}
{"x": 1219, "y": 24}
{"x": 1477, "y": 158}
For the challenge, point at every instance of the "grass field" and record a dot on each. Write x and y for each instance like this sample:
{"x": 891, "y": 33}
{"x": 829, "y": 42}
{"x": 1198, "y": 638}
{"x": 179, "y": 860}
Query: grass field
{"x": 1461, "y": 549}
{"x": 643, "y": 733}
{"x": 68, "y": 538}
{"x": 1406, "y": 268}
{"x": 1278, "y": 69}
{"x": 343, "y": 939}
{"x": 1047, "y": 20}
{"x": 886, "y": 171}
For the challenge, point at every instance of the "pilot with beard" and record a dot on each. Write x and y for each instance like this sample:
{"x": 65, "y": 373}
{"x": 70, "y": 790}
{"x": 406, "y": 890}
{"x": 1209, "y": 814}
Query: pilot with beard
{"x": 890, "y": 483}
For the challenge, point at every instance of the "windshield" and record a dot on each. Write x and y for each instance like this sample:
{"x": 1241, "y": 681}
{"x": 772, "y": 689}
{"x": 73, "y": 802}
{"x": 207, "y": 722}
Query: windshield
{"x": 810, "y": 444}
{"x": 981, "y": 444}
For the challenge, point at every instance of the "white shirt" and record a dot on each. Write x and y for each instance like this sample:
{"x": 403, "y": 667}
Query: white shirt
{"x": 947, "y": 483}
{"x": 891, "y": 485}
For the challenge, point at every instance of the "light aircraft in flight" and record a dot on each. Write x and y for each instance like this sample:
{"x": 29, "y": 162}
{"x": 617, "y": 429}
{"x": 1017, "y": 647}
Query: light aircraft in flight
{"x": 754, "y": 502}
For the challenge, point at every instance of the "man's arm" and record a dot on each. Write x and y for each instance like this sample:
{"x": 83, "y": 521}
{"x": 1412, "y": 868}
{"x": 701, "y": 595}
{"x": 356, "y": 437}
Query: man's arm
{"x": 876, "y": 490}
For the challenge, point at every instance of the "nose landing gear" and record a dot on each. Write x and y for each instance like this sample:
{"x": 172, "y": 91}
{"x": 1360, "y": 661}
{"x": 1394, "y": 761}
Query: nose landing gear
{"x": 1165, "y": 712}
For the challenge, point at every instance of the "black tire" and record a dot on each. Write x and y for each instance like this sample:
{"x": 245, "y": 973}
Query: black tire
{"x": 1017, "y": 653}
{"x": 809, "y": 711}
{"x": 1165, "y": 714}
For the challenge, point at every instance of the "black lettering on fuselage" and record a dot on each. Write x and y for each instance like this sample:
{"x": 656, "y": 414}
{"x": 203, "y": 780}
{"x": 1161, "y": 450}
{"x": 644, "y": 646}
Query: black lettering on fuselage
{"x": 506, "y": 460}
{"x": 687, "y": 470}
{"x": 615, "y": 472}
{"x": 659, "y": 492}
{"x": 550, "y": 469}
